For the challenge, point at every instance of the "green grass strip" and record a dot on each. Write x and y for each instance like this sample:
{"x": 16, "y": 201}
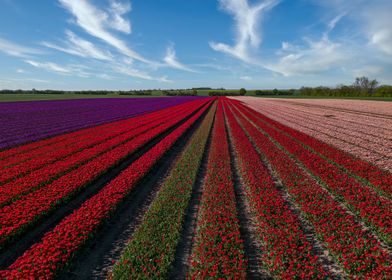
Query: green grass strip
{"x": 151, "y": 251}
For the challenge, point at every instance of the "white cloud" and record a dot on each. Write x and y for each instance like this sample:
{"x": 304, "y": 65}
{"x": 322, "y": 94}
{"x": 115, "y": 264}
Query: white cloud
{"x": 135, "y": 73}
{"x": 14, "y": 49}
{"x": 80, "y": 47}
{"x": 171, "y": 60}
{"x": 247, "y": 18}
{"x": 368, "y": 70}
{"x": 105, "y": 76}
{"x": 49, "y": 66}
{"x": 378, "y": 25}
{"x": 38, "y": 81}
{"x": 165, "y": 79}
{"x": 117, "y": 11}
{"x": 97, "y": 23}
{"x": 212, "y": 66}
{"x": 382, "y": 39}
{"x": 332, "y": 24}
{"x": 317, "y": 57}
{"x": 72, "y": 69}
{"x": 246, "y": 78}
{"x": 372, "y": 18}
{"x": 20, "y": 71}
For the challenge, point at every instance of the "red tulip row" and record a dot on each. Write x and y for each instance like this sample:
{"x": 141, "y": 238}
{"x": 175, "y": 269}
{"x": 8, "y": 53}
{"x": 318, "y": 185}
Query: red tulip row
{"x": 58, "y": 246}
{"x": 14, "y": 190}
{"x": 218, "y": 249}
{"x": 380, "y": 179}
{"x": 15, "y": 217}
{"x": 151, "y": 251}
{"x": 286, "y": 251}
{"x": 359, "y": 254}
{"x": 68, "y": 149}
{"x": 372, "y": 208}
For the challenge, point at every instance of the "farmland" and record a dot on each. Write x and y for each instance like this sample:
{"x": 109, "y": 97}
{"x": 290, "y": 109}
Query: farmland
{"x": 196, "y": 188}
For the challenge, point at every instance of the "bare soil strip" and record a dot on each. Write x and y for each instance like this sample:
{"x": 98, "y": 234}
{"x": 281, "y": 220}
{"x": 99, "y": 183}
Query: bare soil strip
{"x": 180, "y": 264}
{"x": 17, "y": 247}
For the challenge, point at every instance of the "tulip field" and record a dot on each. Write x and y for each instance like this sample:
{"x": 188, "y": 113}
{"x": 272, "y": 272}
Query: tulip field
{"x": 196, "y": 188}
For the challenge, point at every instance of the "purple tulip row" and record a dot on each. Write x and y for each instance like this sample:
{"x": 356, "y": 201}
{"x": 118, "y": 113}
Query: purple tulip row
{"x": 23, "y": 122}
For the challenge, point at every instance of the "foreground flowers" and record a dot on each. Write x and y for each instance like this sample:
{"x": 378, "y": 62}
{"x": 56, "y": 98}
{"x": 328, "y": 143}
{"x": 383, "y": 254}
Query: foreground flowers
{"x": 314, "y": 211}
{"x": 152, "y": 248}
{"x": 218, "y": 250}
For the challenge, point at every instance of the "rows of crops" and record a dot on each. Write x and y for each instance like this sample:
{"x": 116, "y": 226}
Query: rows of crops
{"x": 205, "y": 188}
{"x": 24, "y": 122}
{"x": 362, "y": 128}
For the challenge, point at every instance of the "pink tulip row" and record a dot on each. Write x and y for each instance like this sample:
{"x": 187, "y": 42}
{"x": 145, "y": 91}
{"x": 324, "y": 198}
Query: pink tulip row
{"x": 356, "y": 251}
{"x": 381, "y": 180}
{"x": 372, "y": 208}
{"x": 312, "y": 121}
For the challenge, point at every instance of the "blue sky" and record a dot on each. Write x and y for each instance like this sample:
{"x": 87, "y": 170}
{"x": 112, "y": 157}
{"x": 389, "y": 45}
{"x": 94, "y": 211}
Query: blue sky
{"x": 122, "y": 44}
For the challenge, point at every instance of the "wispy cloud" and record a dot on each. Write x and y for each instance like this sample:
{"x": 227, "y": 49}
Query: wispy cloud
{"x": 247, "y": 19}
{"x": 316, "y": 57}
{"x": 98, "y": 23}
{"x": 72, "y": 69}
{"x": 16, "y": 50}
{"x": 332, "y": 24}
{"x": 79, "y": 47}
{"x": 171, "y": 60}
{"x": 117, "y": 12}
{"x": 49, "y": 66}
{"x": 378, "y": 26}
{"x": 212, "y": 66}
{"x": 246, "y": 78}
{"x": 135, "y": 73}
{"x": 371, "y": 18}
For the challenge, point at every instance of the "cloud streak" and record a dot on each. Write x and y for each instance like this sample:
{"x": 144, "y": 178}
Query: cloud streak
{"x": 49, "y": 66}
{"x": 72, "y": 69}
{"x": 171, "y": 60}
{"x": 247, "y": 19}
{"x": 135, "y": 73}
{"x": 317, "y": 57}
{"x": 16, "y": 50}
{"x": 98, "y": 23}
{"x": 79, "y": 47}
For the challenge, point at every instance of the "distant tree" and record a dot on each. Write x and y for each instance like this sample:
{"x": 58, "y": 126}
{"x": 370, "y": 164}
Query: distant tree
{"x": 364, "y": 85}
{"x": 242, "y": 91}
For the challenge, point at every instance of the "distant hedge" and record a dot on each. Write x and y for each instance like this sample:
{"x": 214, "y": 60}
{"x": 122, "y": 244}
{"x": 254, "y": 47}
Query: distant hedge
{"x": 275, "y": 92}
{"x": 180, "y": 92}
{"x": 136, "y": 92}
{"x": 346, "y": 91}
